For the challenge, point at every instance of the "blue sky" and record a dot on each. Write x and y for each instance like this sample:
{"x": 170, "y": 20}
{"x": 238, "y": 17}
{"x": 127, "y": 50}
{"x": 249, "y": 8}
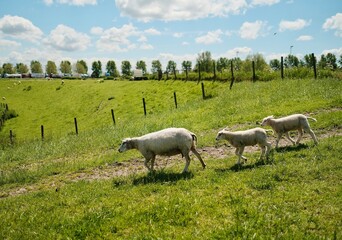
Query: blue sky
{"x": 175, "y": 30}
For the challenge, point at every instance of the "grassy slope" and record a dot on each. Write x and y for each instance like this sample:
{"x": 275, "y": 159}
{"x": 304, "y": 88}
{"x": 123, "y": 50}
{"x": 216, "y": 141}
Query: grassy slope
{"x": 297, "y": 195}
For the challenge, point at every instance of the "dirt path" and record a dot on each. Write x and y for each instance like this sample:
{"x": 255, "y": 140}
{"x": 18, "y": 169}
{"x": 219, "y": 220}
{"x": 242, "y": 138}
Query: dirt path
{"x": 135, "y": 166}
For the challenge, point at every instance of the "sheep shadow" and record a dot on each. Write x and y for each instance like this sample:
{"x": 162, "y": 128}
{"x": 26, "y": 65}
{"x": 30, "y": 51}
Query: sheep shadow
{"x": 259, "y": 163}
{"x": 161, "y": 177}
{"x": 292, "y": 148}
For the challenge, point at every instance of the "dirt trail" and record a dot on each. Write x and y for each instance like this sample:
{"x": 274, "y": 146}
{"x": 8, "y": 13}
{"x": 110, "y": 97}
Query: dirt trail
{"x": 134, "y": 166}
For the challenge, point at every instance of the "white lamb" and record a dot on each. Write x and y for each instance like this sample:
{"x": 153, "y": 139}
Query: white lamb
{"x": 240, "y": 139}
{"x": 293, "y": 122}
{"x": 169, "y": 142}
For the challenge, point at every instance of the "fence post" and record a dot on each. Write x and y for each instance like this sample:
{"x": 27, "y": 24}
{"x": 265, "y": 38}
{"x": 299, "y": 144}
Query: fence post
{"x": 11, "y": 136}
{"x": 282, "y": 67}
{"x": 203, "y": 92}
{"x": 175, "y": 98}
{"x": 314, "y": 65}
{"x": 253, "y": 67}
{"x": 42, "y": 132}
{"x": 76, "y": 127}
{"x": 199, "y": 72}
{"x": 113, "y": 117}
{"x": 214, "y": 69}
{"x": 232, "y": 70}
{"x": 144, "y": 104}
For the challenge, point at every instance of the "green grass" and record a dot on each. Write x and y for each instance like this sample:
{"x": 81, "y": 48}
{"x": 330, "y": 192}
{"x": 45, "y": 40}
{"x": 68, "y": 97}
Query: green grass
{"x": 295, "y": 195}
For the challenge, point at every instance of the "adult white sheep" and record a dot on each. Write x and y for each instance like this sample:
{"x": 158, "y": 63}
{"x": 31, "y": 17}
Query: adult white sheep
{"x": 169, "y": 142}
{"x": 240, "y": 139}
{"x": 293, "y": 122}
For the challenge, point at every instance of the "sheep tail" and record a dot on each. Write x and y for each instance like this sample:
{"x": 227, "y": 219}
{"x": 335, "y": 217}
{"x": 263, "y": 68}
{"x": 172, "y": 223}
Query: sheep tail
{"x": 314, "y": 119}
{"x": 194, "y": 138}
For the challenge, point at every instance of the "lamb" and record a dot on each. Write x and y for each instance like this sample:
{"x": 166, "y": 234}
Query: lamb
{"x": 240, "y": 139}
{"x": 286, "y": 124}
{"x": 169, "y": 142}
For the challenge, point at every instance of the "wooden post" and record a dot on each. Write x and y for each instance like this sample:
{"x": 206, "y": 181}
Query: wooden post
{"x": 199, "y": 72}
{"x": 282, "y": 67}
{"x": 42, "y": 132}
{"x": 214, "y": 70}
{"x": 175, "y": 98}
{"x": 232, "y": 70}
{"x": 113, "y": 117}
{"x": 144, "y": 104}
{"x": 76, "y": 127}
{"x": 203, "y": 92}
{"x": 314, "y": 65}
{"x": 11, "y": 136}
{"x": 253, "y": 67}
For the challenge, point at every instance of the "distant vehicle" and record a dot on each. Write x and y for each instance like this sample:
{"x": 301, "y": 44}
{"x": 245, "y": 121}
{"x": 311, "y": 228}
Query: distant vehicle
{"x": 12, "y": 75}
{"x": 138, "y": 74}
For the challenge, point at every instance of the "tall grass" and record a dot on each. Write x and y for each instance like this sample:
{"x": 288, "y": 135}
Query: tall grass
{"x": 296, "y": 195}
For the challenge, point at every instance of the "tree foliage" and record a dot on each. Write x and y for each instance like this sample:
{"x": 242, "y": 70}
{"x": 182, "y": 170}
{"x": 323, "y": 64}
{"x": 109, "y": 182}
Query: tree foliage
{"x": 126, "y": 68}
{"x": 96, "y": 68}
{"x": 81, "y": 67}
{"x": 141, "y": 65}
{"x": 156, "y": 66}
{"x": 21, "y": 68}
{"x": 36, "y": 67}
{"x": 204, "y": 62}
{"x": 111, "y": 69}
{"x": 222, "y": 63}
{"x": 65, "y": 67}
{"x": 51, "y": 67}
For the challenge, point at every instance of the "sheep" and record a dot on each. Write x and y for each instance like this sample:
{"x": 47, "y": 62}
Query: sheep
{"x": 169, "y": 142}
{"x": 286, "y": 124}
{"x": 240, "y": 139}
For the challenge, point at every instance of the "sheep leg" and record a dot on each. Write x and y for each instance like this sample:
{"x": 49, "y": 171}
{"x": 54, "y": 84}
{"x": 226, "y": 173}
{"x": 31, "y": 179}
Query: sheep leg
{"x": 152, "y": 162}
{"x": 199, "y": 157}
{"x": 263, "y": 149}
{"x": 300, "y": 135}
{"x": 268, "y": 149}
{"x": 312, "y": 134}
{"x": 278, "y": 139}
{"x": 289, "y": 138}
{"x": 187, "y": 159}
{"x": 146, "y": 164}
{"x": 238, "y": 152}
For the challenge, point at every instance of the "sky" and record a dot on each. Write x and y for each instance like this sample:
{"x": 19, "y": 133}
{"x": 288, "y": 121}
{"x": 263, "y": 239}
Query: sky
{"x": 176, "y": 30}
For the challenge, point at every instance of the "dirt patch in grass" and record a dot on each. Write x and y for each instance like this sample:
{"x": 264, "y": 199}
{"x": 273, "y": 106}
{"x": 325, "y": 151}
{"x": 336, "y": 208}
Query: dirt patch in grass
{"x": 220, "y": 151}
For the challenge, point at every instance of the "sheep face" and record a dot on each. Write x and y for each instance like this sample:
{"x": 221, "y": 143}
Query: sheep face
{"x": 220, "y": 136}
{"x": 125, "y": 145}
{"x": 266, "y": 120}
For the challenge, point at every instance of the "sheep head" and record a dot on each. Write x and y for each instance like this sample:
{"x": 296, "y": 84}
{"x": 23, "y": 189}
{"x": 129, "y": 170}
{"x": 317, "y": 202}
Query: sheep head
{"x": 126, "y": 144}
{"x": 266, "y": 120}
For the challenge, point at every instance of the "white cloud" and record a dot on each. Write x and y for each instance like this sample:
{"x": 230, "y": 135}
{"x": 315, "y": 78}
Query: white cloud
{"x": 118, "y": 39}
{"x": 72, "y": 2}
{"x": 152, "y": 31}
{"x": 336, "y": 51}
{"x": 8, "y": 44}
{"x": 264, "y": 2}
{"x": 178, "y": 35}
{"x": 335, "y": 23}
{"x": 67, "y": 39}
{"x": 240, "y": 52}
{"x": 293, "y": 25}
{"x": 18, "y": 27}
{"x": 252, "y": 30}
{"x": 304, "y": 38}
{"x": 147, "y": 10}
{"x": 146, "y": 46}
{"x": 210, "y": 38}
{"x": 96, "y": 30}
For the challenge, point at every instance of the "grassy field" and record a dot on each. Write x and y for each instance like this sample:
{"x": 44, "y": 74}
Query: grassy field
{"x": 80, "y": 187}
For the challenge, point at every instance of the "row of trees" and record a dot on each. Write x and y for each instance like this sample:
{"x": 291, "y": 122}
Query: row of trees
{"x": 204, "y": 63}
